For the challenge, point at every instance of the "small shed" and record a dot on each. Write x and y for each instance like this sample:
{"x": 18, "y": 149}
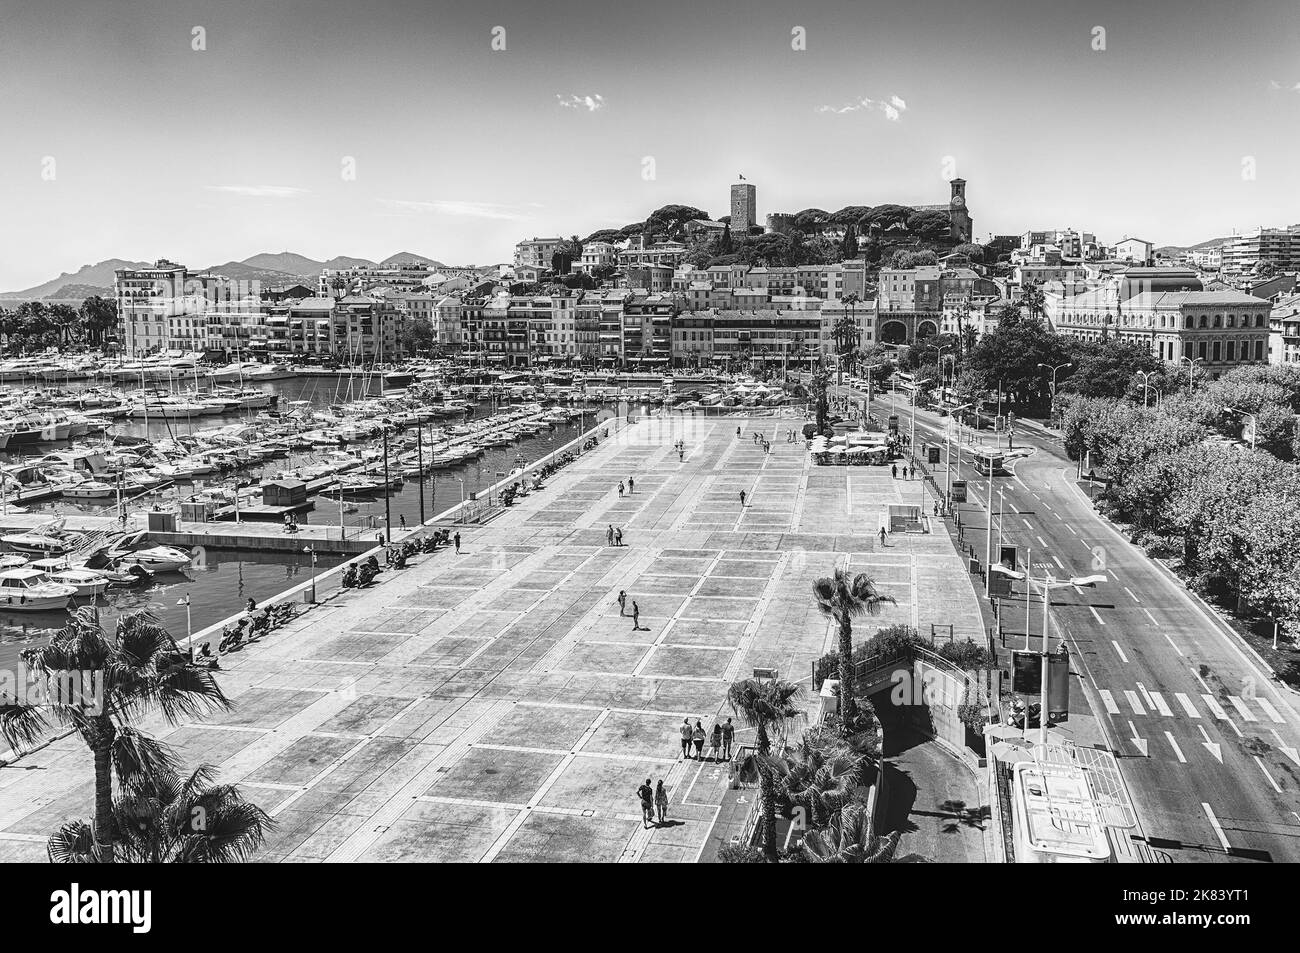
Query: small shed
{"x": 284, "y": 493}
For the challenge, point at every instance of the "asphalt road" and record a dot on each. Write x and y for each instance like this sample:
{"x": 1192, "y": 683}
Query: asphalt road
{"x": 1207, "y": 743}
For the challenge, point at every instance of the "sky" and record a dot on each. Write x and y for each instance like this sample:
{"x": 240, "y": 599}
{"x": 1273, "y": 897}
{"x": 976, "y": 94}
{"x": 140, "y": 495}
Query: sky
{"x": 342, "y": 128}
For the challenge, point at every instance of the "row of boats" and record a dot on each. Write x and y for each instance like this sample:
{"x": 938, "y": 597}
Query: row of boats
{"x": 49, "y": 567}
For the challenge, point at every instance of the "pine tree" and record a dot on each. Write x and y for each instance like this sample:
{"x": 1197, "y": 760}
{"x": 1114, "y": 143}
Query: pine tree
{"x": 724, "y": 243}
{"x": 849, "y": 248}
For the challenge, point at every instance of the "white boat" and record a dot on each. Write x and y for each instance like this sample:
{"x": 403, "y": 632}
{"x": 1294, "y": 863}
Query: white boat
{"x": 49, "y": 539}
{"x": 86, "y": 582}
{"x": 90, "y": 490}
{"x": 30, "y": 590}
{"x": 157, "y": 558}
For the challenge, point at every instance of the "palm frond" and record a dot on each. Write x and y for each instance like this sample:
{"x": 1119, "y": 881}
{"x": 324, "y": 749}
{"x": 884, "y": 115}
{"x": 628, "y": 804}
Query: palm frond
{"x": 22, "y": 726}
{"x": 73, "y": 843}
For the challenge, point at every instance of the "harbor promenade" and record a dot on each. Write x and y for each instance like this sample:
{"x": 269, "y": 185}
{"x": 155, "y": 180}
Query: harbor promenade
{"x": 495, "y": 706}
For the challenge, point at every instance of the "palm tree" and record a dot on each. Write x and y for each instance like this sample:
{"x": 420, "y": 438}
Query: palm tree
{"x": 173, "y": 820}
{"x": 137, "y": 671}
{"x": 824, "y": 774}
{"x": 850, "y": 838}
{"x": 844, "y": 597}
{"x": 762, "y": 705}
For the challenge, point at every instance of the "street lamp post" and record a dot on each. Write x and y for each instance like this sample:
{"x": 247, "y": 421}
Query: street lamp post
{"x": 1146, "y": 384}
{"x": 1254, "y": 423}
{"x": 1191, "y": 363}
{"x": 311, "y": 551}
{"x": 189, "y": 626}
{"x": 1054, "y": 371}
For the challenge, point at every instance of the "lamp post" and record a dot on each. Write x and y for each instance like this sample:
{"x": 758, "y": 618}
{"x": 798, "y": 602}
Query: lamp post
{"x": 1254, "y": 423}
{"x": 1191, "y": 363}
{"x": 1054, "y": 371}
{"x": 311, "y": 551}
{"x": 189, "y": 627}
{"x": 1146, "y": 384}
{"x": 388, "y": 508}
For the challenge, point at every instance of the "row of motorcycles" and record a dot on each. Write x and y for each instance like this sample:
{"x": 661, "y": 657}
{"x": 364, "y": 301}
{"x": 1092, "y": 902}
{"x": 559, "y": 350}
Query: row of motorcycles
{"x": 359, "y": 575}
{"x": 250, "y": 628}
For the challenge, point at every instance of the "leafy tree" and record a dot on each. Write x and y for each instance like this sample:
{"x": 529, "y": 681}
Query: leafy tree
{"x": 1108, "y": 368}
{"x": 416, "y": 337}
{"x": 140, "y": 670}
{"x": 724, "y": 243}
{"x": 763, "y": 705}
{"x": 811, "y": 220}
{"x": 671, "y": 220}
{"x": 844, "y": 597}
{"x": 849, "y": 215}
{"x": 886, "y": 216}
{"x": 974, "y": 252}
{"x": 849, "y": 248}
{"x": 913, "y": 259}
{"x": 173, "y": 820}
{"x": 99, "y": 316}
{"x": 850, "y": 838}
{"x": 929, "y": 225}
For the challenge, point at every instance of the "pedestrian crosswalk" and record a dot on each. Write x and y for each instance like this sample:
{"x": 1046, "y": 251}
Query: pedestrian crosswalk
{"x": 1141, "y": 701}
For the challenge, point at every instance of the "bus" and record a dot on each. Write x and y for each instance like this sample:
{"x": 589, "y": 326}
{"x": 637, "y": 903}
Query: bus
{"x": 990, "y": 463}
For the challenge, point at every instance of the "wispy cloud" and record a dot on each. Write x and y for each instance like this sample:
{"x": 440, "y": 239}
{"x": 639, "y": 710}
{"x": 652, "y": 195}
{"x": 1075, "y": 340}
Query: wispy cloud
{"x": 589, "y": 103}
{"x": 463, "y": 209}
{"x": 893, "y": 107}
{"x": 1274, "y": 84}
{"x": 260, "y": 191}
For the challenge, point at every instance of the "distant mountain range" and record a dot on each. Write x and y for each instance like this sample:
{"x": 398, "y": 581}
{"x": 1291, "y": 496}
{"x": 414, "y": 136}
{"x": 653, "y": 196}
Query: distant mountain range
{"x": 1170, "y": 250}
{"x": 286, "y": 267}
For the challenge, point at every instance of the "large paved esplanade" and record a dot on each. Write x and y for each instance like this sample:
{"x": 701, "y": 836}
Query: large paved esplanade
{"x": 494, "y": 706}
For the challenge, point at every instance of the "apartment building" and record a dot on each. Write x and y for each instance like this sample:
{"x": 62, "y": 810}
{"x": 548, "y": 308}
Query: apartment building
{"x": 1278, "y": 247}
{"x": 1284, "y": 331}
{"x": 536, "y": 252}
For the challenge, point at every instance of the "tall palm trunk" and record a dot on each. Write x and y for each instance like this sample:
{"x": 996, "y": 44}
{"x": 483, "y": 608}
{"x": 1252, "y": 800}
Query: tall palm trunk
{"x": 767, "y": 798}
{"x": 848, "y": 706}
{"x": 105, "y": 832}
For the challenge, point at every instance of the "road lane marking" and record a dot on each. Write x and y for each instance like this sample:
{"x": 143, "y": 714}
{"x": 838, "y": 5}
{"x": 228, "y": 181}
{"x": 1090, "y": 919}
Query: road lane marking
{"x": 1171, "y": 642}
{"x": 1139, "y": 743}
{"x": 1218, "y": 828}
{"x": 1282, "y": 747}
{"x": 1058, "y": 561}
{"x": 1188, "y": 706}
{"x": 1100, "y": 620}
{"x": 1146, "y": 696}
{"x": 1137, "y": 705}
{"x": 1213, "y": 747}
{"x": 1267, "y": 775}
{"x": 1269, "y": 710}
{"x": 1216, "y": 709}
{"x": 1151, "y": 617}
{"x": 1108, "y": 700}
{"x": 1042, "y": 542}
{"x": 1122, "y": 657}
{"x": 1177, "y": 750}
{"x": 1245, "y": 713}
{"x": 1130, "y": 594}
{"x": 1161, "y": 706}
{"x": 1201, "y": 680}
{"x": 1026, "y": 522}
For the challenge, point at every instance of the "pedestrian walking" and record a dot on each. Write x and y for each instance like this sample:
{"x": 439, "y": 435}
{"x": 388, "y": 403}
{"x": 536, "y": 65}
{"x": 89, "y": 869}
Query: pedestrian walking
{"x": 737, "y": 431}
{"x": 618, "y": 536}
{"x": 622, "y": 602}
{"x": 636, "y": 617}
{"x": 681, "y": 456}
{"x": 893, "y": 471}
{"x": 686, "y": 733}
{"x": 661, "y": 802}
{"x": 715, "y": 742}
{"x": 728, "y": 734}
{"x": 631, "y": 485}
{"x": 401, "y": 519}
{"x": 457, "y": 539}
{"x": 609, "y": 535}
{"x": 882, "y": 536}
{"x": 698, "y": 737}
{"x": 647, "y": 795}
{"x": 620, "y": 491}
{"x": 742, "y": 497}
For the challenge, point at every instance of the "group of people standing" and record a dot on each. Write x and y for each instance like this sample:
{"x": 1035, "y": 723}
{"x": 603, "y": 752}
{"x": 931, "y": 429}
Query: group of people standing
{"x": 613, "y": 537}
{"x": 654, "y": 803}
{"x": 719, "y": 739}
{"x": 636, "y": 610}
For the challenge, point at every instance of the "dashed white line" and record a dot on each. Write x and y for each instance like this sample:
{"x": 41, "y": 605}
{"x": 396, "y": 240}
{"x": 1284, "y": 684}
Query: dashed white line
{"x": 1269, "y": 710}
{"x": 1171, "y": 642}
{"x": 1161, "y": 705}
{"x": 1187, "y": 705}
{"x": 1130, "y": 594}
{"x": 1216, "y": 709}
{"x": 1122, "y": 657}
{"x": 1242, "y": 710}
{"x": 1095, "y": 615}
{"x": 1151, "y": 617}
{"x": 1267, "y": 775}
{"x": 1133, "y": 701}
{"x": 1042, "y": 542}
{"x": 1218, "y": 828}
{"x": 1178, "y": 752}
{"x": 1108, "y": 699}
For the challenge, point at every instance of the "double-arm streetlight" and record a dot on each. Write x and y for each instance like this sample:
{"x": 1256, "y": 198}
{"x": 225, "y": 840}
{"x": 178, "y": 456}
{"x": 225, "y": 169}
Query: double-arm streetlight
{"x": 1254, "y": 423}
{"x": 1191, "y": 364}
{"x": 1054, "y": 370}
{"x": 1146, "y": 385}
{"x": 1047, "y": 583}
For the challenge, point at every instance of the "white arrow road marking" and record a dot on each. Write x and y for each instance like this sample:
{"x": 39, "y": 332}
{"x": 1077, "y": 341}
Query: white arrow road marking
{"x": 1269, "y": 710}
{"x": 1282, "y": 747}
{"x": 1267, "y": 775}
{"x": 1139, "y": 743}
{"x": 1122, "y": 657}
{"x": 1245, "y": 713}
{"x": 1160, "y": 704}
{"x": 1218, "y": 828}
{"x": 1212, "y": 747}
{"x": 1187, "y": 705}
{"x": 1216, "y": 709}
{"x": 1108, "y": 700}
{"x": 1178, "y": 752}
{"x": 1137, "y": 705}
